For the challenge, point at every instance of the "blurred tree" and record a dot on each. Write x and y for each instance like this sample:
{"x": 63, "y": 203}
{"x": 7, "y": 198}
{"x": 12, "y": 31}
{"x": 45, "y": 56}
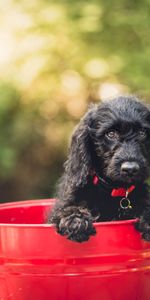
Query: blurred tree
{"x": 55, "y": 58}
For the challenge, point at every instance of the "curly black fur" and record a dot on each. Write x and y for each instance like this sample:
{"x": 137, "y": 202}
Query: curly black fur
{"x": 109, "y": 134}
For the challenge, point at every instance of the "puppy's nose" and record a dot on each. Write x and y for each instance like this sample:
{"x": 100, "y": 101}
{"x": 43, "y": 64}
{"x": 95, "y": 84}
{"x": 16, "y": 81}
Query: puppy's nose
{"x": 130, "y": 168}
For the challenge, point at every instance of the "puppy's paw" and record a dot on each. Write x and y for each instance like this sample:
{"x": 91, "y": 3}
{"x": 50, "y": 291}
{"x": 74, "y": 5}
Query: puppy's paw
{"x": 146, "y": 236}
{"x": 144, "y": 228}
{"x": 76, "y": 224}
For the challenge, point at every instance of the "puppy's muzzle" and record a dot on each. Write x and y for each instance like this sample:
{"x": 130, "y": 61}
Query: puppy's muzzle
{"x": 130, "y": 169}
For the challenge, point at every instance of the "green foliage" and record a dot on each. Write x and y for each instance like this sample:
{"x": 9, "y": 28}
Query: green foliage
{"x": 55, "y": 58}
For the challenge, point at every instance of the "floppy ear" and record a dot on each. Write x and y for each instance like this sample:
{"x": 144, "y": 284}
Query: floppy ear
{"x": 79, "y": 164}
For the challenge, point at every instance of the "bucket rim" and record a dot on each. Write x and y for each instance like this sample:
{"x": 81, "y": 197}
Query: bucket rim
{"x": 44, "y": 202}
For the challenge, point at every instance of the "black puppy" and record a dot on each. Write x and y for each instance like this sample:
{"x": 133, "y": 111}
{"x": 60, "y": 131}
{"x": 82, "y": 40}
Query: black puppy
{"x": 104, "y": 177}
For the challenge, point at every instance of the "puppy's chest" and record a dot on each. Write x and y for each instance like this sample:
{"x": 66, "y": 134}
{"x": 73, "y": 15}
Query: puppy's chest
{"x": 113, "y": 208}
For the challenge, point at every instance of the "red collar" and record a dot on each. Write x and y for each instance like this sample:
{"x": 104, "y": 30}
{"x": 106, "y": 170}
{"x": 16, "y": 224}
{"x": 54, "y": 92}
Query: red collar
{"x": 119, "y": 192}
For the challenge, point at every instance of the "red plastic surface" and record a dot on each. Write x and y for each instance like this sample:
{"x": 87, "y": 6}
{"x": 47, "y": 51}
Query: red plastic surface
{"x": 38, "y": 264}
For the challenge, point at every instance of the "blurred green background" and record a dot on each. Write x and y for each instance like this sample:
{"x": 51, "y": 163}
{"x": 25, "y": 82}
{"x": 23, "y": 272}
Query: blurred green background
{"x": 55, "y": 58}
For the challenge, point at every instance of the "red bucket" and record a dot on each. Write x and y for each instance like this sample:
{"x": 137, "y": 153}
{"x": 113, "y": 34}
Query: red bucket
{"x": 38, "y": 264}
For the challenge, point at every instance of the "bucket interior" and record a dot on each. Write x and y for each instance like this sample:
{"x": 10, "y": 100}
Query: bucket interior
{"x": 26, "y": 212}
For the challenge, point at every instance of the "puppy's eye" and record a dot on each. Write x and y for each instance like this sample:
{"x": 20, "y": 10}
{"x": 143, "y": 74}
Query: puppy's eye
{"x": 112, "y": 134}
{"x": 142, "y": 133}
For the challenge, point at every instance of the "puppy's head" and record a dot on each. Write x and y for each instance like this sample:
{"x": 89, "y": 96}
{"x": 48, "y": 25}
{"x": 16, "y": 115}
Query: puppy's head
{"x": 113, "y": 139}
{"x": 120, "y": 140}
